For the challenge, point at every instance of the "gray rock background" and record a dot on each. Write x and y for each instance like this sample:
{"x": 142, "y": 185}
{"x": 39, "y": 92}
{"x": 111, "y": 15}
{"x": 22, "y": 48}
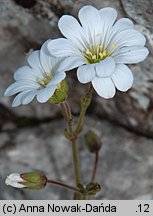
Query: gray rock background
{"x": 31, "y": 136}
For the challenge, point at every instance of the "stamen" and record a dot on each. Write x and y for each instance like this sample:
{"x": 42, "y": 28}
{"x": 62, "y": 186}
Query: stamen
{"x": 113, "y": 45}
{"x": 41, "y": 82}
{"x": 104, "y": 53}
{"x": 101, "y": 55}
{"x": 95, "y": 55}
{"x": 101, "y": 47}
{"x": 47, "y": 77}
{"x": 97, "y": 52}
{"x": 88, "y": 52}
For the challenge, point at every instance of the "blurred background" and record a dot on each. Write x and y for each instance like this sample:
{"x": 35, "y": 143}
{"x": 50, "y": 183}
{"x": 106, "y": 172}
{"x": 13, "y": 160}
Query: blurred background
{"x": 31, "y": 136}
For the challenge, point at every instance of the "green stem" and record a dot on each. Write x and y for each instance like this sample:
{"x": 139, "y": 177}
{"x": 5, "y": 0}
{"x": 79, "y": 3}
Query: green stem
{"x": 71, "y": 136}
{"x": 76, "y": 162}
{"x": 85, "y": 102}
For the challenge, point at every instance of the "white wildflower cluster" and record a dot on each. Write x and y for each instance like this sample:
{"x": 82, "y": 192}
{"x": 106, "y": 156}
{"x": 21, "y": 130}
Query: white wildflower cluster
{"x": 97, "y": 45}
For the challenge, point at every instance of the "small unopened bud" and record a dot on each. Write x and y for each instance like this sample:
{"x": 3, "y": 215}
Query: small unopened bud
{"x": 93, "y": 141}
{"x": 60, "y": 94}
{"x": 33, "y": 181}
{"x": 92, "y": 188}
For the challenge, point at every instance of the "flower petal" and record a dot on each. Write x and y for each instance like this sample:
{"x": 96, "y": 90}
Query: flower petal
{"x": 70, "y": 63}
{"x": 61, "y": 48}
{"x": 48, "y": 62}
{"x": 44, "y": 48}
{"x": 91, "y": 22}
{"x": 72, "y": 30}
{"x": 57, "y": 78}
{"x": 86, "y": 73}
{"x": 17, "y": 100}
{"x": 34, "y": 62}
{"x": 131, "y": 55}
{"x": 108, "y": 15}
{"x": 28, "y": 97}
{"x": 21, "y": 85}
{"x": 44, "y": 94}
{"x": 128, "y": 37}
{"x": 105, "y": 68}
{"x": 122, "y": 77}
{"x": 45, "y": 57}
{"x": 123, "y": 24}
{"x": 25, "y": 73}
{"x": 104, "y": 87}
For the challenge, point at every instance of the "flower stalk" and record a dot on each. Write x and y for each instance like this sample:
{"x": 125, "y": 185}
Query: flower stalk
{"x": 95, "y": 166}
{"x": 70, "y": 134}
{"x": 63, "y": 185}
{"x": 85, "y": 103}
{"x": 67, "y": 115}
{"x": 93, "y": 143}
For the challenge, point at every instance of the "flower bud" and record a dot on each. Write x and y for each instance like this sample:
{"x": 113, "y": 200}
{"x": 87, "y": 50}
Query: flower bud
{"x": 92, "y": 188}
{"x": 60, "y": 93}
{"x": 34, "y": 181}
{"x": 93, "y": 141}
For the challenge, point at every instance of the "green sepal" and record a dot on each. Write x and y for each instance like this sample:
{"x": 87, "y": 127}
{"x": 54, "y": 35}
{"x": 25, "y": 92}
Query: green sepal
{"x": 33, "y": 180}
{"x": 60, "y": 93}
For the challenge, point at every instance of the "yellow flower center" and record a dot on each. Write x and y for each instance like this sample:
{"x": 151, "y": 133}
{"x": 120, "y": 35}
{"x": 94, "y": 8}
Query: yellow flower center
{"x": 98, "y": 54}
{"x": 47, "y": 78}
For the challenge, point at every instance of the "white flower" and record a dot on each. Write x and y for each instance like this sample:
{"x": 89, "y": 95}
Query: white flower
{"x": 100, "y": 47}
{"x": 40, "y": 78}
{"x": 15, "y": 180}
